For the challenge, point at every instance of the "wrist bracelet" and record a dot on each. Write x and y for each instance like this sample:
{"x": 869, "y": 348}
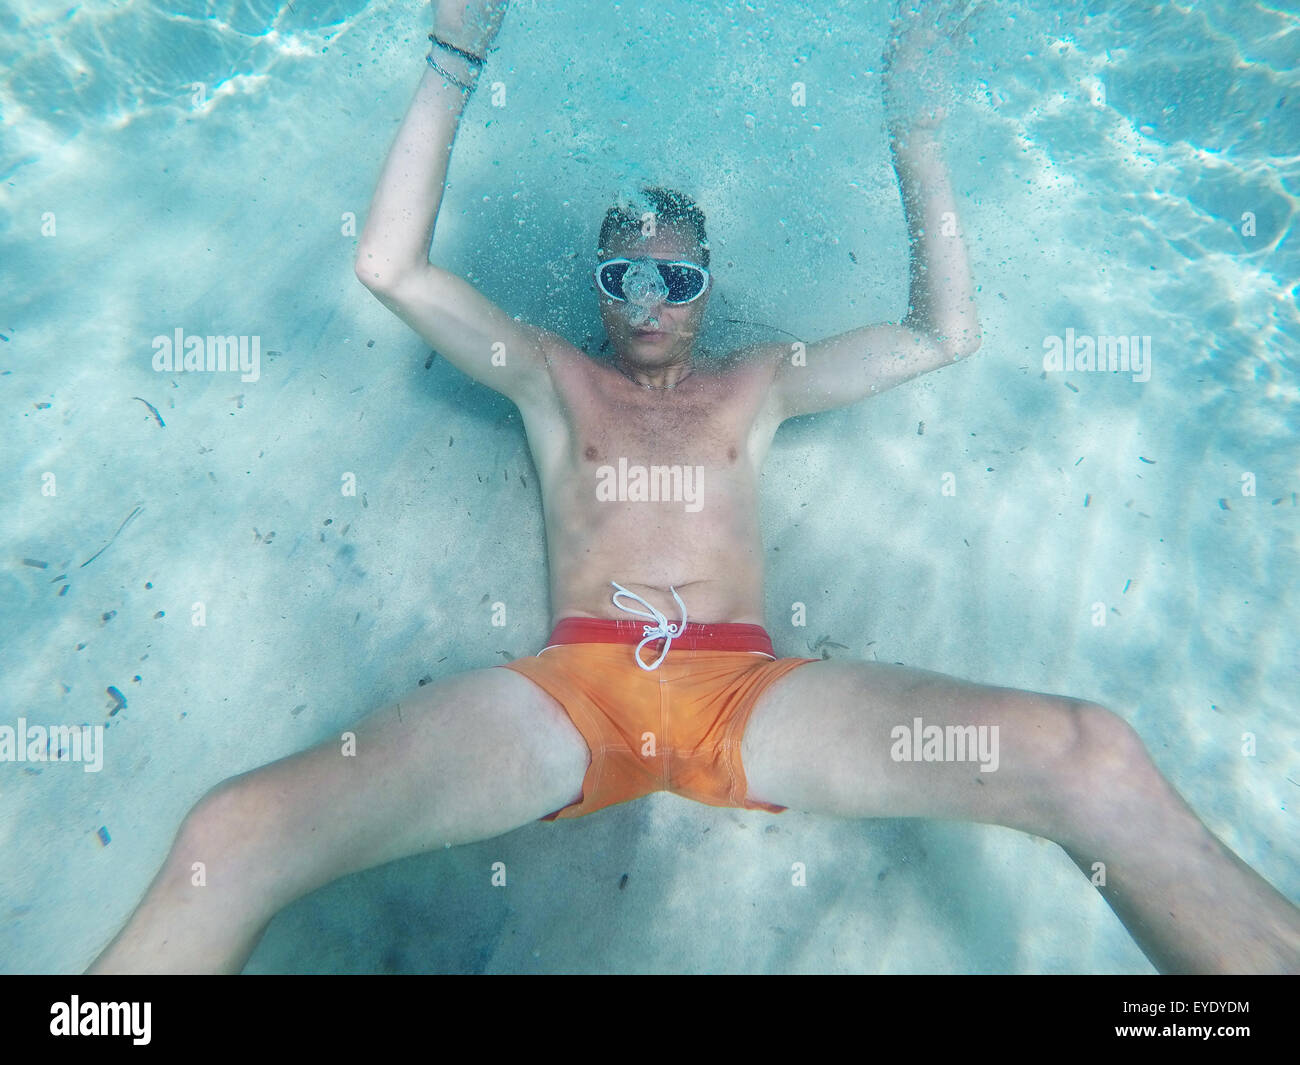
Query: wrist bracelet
{"x": 470, "y": 57}
{"x": 447, "y": 76}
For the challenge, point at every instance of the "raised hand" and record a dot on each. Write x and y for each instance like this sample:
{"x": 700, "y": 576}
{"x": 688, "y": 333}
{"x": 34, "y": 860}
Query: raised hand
{"x": 468, "y": 24}
{"x": 920, "y": 49}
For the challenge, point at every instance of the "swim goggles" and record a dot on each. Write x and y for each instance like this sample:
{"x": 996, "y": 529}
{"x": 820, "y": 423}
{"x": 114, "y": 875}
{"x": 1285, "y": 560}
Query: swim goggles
{"x": 684, "y": 282}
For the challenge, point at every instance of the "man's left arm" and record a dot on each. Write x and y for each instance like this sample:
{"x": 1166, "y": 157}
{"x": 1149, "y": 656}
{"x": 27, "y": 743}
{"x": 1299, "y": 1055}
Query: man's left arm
{"x": 941, "y": 324}
{"x": 941, "y": 298}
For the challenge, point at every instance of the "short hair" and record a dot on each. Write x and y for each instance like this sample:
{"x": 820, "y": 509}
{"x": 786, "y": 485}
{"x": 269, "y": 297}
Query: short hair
{"x": 670, "y": 208}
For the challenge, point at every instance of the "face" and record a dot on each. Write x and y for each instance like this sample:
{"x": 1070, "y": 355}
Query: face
{"x": 668, "y": 337}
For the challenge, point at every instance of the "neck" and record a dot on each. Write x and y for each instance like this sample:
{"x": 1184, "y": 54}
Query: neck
{"x": 662, "y": 377}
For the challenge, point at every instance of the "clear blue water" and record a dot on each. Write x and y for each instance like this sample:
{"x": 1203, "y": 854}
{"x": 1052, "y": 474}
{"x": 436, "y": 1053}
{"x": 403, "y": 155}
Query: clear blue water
{"x": 197, "y": 166}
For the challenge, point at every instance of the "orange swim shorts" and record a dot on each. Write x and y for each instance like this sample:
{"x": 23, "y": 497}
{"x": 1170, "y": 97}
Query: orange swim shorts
{"x": 675, "y": 728}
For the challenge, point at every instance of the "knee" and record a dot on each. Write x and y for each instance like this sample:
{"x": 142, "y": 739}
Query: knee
{"x": 1105, "y": 751}
{"x": 219, "y": 825}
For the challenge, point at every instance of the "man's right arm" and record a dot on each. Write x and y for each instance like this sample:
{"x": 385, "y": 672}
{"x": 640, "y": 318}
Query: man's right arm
{"x": 459, "y": 322}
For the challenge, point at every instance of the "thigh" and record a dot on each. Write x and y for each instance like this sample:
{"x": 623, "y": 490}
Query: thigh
{"x": 836, "y": 737}
{"x": 461, "y": 759}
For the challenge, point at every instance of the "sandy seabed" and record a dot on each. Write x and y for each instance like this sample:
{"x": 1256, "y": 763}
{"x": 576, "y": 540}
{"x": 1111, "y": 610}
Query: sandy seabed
{"x": 232, "y": 218}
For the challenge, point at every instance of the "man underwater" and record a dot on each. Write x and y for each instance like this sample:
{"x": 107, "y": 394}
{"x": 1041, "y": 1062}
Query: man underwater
{"x": 658, "y": 674}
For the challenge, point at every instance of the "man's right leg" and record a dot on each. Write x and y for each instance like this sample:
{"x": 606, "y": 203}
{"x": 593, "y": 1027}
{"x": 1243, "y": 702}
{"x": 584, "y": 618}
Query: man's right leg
{"x": 463, "y": 759}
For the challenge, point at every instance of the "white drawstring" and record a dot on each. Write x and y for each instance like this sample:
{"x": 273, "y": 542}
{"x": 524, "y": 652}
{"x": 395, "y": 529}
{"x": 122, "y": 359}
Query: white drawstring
{"x": 662, "y": 629}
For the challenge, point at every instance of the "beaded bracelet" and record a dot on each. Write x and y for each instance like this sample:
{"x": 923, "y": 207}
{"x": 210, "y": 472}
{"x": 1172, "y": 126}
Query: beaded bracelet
{"x": 477, "y": 60}
{"x": 447, "y": 75}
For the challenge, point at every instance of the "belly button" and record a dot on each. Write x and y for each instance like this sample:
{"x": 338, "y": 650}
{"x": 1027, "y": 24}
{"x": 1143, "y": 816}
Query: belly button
{"x": 590, "y": 453}
{"x": 731, "y": 454}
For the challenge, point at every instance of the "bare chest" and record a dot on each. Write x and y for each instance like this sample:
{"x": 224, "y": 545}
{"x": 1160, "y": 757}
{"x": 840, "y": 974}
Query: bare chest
{"x": 682, "y": 432}
{"x": 706, "y": 421}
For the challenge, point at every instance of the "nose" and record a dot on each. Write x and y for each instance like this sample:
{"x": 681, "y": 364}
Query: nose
{"x": 641, "y": 315}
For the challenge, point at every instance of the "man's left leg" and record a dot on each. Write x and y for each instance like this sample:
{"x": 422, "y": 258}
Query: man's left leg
{"x": 1070, "y": 771}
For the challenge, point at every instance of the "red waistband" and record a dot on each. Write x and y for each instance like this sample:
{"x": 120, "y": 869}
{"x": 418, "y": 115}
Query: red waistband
{"x": 720, "y": 636}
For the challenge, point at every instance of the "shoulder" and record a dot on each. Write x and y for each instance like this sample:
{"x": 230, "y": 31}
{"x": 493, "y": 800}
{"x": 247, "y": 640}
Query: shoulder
{"x": 576, "y": 377}
{"x": 756, "y": 372}
{"x": 561, "y": 351}
{"x": 756, "y": 362}
{"x": 753, "y": 371}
